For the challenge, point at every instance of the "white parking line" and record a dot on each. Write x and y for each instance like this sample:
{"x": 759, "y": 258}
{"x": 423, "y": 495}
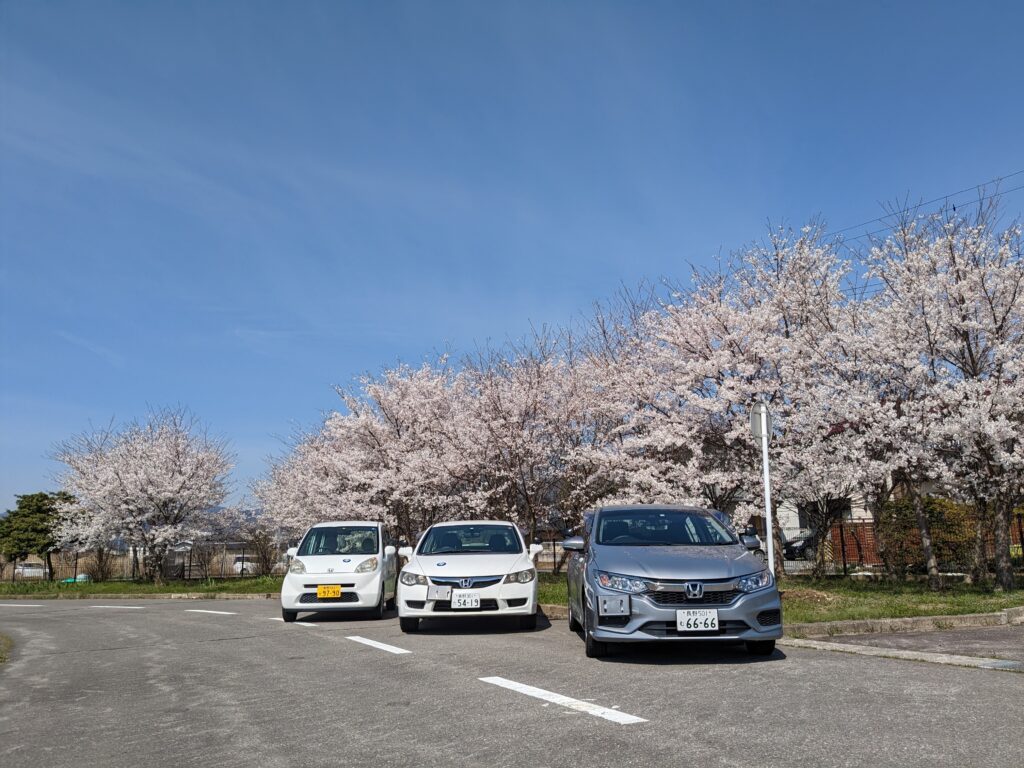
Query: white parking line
{"x": 556, "y": 698}
{"x": 375, "y": 644}
{"x": 219, "y": 613}
{"x": 120, "y": 607}
{"x": 21, "y": 605}
{"x": 300, "y": 623}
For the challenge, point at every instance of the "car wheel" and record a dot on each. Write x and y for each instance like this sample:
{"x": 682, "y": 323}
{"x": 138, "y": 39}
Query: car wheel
{"x": 409, "y": 623}
{"x": 289, "y": 616}
{"x": 378, "y": 610}
{"x": 760, "y": 647}
{"x": 574, "y": 624}
{"x": 391, "y": 604}
{"x": 528, "y": 622}
{"x": 596, "y": 649}
{"x": 809, "y": 553}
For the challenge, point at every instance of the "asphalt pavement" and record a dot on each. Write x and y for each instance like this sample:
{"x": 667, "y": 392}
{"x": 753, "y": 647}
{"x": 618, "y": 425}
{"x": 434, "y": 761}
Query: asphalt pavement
{"x": 226, "y": 683}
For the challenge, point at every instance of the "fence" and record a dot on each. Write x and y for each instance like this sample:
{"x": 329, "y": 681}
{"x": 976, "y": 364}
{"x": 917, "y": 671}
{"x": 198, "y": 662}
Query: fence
{"x": 853, "y": 545}
{"x": 213, "y": 560}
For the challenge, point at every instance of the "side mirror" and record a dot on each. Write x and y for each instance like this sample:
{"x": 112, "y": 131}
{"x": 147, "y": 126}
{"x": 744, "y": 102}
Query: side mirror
{"x": 750, "y": 531}
{"x": 389, "y": 551}
{"x": 573, "y": 544}
{"x": 405, "y": 552}
{"x": 535, "y": 549}
{"x": 749, "y": 541}
{"x": 292, "y": 551}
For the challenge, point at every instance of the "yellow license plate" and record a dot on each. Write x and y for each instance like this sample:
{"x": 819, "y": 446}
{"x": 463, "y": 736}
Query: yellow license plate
{"x": 328, "y": 590}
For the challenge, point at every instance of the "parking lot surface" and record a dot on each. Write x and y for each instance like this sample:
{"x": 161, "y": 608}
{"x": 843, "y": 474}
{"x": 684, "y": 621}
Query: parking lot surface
{"x": 169, "y": 682}
{"x": 1004, "y": 642}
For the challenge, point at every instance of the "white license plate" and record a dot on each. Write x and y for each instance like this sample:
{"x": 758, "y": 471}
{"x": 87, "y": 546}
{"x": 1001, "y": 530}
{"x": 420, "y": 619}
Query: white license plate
{"x": 697, "y": 620}
{"x": 464, "y": 600}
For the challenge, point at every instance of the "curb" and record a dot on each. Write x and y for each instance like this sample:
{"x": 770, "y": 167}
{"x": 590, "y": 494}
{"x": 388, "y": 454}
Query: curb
{"x": 152, "y": 596}
{"x": 953, "y": 659}
{"x": 1011, "y": 616}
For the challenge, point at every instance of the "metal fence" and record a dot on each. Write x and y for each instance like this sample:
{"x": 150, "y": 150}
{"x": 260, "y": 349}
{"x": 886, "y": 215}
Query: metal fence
{"x": 850, "y": 546}
{"x": 213, "y": 560}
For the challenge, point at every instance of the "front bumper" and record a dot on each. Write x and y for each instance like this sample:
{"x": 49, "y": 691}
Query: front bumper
{"x": 359, "y": 591}
{"x": 497, "y": 600}
{"x": 649, "y": 621}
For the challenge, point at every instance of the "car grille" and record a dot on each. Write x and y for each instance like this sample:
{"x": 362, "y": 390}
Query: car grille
{"x": 680, "y": 598}
{"x": 769, "y": 618}
{"x": 346, "y": 597}
{"x": 476, "y": 582}
{"x": 485, "y": 605}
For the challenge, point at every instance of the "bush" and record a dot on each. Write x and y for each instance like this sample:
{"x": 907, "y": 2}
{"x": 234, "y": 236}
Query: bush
{"x": 953, "y": 533}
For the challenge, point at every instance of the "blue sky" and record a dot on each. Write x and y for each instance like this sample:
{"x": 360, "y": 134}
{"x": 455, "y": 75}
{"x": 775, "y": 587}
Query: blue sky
{"x": 236, "y": 205}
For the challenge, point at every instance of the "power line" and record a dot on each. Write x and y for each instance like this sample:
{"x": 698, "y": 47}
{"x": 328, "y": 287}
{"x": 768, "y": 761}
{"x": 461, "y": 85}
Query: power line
{"x": 996, "y": 180}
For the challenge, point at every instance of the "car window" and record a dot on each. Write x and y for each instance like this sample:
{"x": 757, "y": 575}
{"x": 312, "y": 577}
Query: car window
{"x": 340, "y": 540}
{"x": 645, "y": 527}
{"x": 470, "y": 538}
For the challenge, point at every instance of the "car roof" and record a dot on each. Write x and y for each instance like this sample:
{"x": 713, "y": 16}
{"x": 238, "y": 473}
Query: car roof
{"x": 473, "y": 522}
{"x": 343, "y": 523}
{"x": 654, "y": 508}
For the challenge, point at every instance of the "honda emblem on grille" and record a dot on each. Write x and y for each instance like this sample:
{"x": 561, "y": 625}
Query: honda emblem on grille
{"x": 330, "y": 570}
{"x": 465, "y": 583}
{"x": 694, "y": 590}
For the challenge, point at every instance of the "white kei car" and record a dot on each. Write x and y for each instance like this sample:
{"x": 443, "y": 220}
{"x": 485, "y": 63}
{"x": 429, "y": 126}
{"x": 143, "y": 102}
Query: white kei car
{"x": 340, "y": 566}
{"x": 475, "y": 568}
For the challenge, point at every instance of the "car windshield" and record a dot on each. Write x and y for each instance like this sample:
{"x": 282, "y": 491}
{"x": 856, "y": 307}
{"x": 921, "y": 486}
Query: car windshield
{"x": 661, "y": 528}
{"x": 468, "y": 539}
{"x": 340, "y": 540}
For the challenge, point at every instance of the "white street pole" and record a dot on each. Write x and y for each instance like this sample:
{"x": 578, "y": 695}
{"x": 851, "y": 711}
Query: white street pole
{"x": 770, "y": 533}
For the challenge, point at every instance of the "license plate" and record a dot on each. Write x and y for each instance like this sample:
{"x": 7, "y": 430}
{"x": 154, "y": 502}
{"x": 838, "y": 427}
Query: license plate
{"x": 463, "y": 600}
{"x": 697, "y": 620}
{"x": 328, "y": 590}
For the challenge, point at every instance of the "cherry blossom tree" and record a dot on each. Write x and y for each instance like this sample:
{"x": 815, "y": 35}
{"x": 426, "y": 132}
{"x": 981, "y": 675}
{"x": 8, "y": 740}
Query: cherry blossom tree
{"x": 149, "y": 483}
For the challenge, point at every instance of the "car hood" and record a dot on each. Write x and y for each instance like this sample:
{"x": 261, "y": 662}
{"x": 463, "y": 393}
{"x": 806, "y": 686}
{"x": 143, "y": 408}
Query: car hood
{"x": 667, "y": 563}
{"x": 452, "y": 565}
{"x": 332, "y": 563}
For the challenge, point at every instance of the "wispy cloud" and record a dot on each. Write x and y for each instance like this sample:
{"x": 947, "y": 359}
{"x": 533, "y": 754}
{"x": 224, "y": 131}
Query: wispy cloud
{"x": 104, "y": 353}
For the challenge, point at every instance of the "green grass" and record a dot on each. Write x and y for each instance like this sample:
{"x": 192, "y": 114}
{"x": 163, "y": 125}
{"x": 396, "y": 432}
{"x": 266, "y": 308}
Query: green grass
{"x": 805, "y": 600}
{"x": 5, "y": 648}
{"x": 840, "y": 599}
{"x": 82, "y": 589}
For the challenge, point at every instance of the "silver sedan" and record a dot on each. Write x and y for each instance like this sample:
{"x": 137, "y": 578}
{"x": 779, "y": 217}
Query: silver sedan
{"x": 643, "y": 573}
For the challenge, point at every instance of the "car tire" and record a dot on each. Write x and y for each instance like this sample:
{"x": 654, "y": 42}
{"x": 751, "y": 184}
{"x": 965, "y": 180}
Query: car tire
{"x": 574, "y": 623}
{"x": 528, "y": 622}
{"x": 289, "y": 616}
{"x": 408, "y": 624}
{"x": 377, "y": 612}
{"x": 595, "y": 649}
{"x": 760, "y": 647}
{"x": 390, "y": 604}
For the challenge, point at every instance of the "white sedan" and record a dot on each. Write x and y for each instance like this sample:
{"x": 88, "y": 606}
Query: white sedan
{"x": 475, "y": 568}
{"x": 340, "y": 566}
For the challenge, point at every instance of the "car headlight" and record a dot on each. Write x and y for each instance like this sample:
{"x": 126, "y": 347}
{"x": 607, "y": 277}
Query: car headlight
{"x": 296, "y": 566}
{"x": 621, "y": 583}
{"x": 412, "y": 579}
{"x": 367, "y": 565}
{"x": 755, "y": 581}
{"x": 521, "y": 577}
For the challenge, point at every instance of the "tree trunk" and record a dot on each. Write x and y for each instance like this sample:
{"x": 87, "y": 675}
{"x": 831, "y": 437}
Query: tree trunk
{"x": 934, "y": 580}
{"x": 979, "y": 566}
{"x": 780, "y": 566}
{"x": 49, "y": 566}
{"x": 1004, "y": 568}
